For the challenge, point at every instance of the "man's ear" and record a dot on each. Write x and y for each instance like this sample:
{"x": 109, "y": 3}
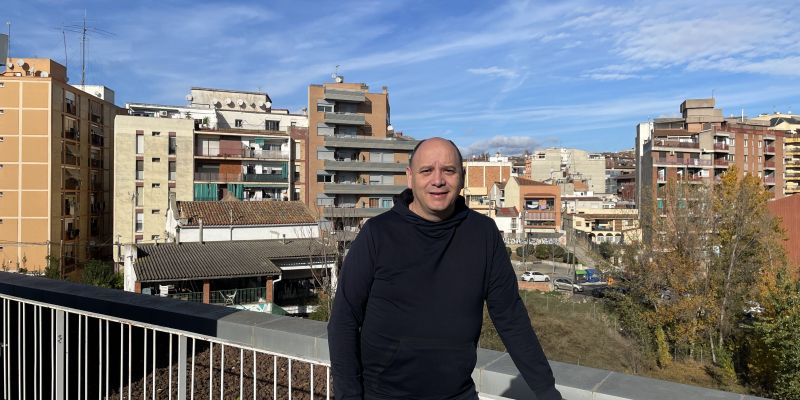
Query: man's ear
{"x": 408, "y": 177}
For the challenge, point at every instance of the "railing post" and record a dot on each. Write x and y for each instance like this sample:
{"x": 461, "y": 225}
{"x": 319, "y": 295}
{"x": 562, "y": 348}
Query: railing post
{"x": 58, "y": 367}
{"x": 181, "y": 367}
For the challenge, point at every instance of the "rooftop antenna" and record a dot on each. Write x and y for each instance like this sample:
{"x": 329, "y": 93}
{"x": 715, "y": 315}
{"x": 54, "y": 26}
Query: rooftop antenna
{"x": 85, "y": 31}
{"x": 335, "y": 75}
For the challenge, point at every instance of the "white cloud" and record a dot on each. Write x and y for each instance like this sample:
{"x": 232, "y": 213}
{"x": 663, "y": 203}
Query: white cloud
{"x": 511, "y": 145}
{"x": 494, "y": 71}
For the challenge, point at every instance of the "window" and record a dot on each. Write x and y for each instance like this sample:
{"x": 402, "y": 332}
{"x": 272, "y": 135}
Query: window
{"x": 156, "y": 185}
{"x": 2, "y": 139}
{"x": 745, "y": 158}
{"x": 173, "y": 145}
{"x": 760, "y": 143}
{"x": 139, "y": 196}
{"x": 238, "y": 123}
{"x": 139, "y": 221}
{"x": 325, "y": 178}
{"x": 154, "y": 237}
{"x": 2, "y": 111}
{"x": 745, "y": 143}
{"x": 272, "y": 125}
{"x": 324, "y": 106}
{"x": 325, "y": 154}
{"x": 70, "y": 103}
{"x": 156, "y": 159}
{"x": 325, "y": 201}
{"x": 325, "y": 130}
{"x": 172, "y": 170}
{"x": 139, "y": 169}
{"x": 2, "y": 84}
{"x": 155, "y": 211}
{"x": 156, "y": 133}
{"x": 759, "y": 159}
{"x": 139, "y": 144}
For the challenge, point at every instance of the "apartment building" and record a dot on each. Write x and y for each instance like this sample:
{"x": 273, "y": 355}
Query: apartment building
{"x": 567, "y": 165}
{"x": 606, "y": 225}
{"x": 789, "y": 124}
{"x": 701, "y": 145}
{"x": 539, "y": 204}
{"x": 55, "y": 167}
{"x": 621, "y": 174}
{"x": 480, "y": 176}
{"x": 355, "y": 161}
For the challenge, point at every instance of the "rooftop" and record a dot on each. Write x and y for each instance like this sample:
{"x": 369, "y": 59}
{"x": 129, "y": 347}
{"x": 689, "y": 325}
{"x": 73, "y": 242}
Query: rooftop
{"x": 507, "y": 212}
{"x": 244, "y": 213}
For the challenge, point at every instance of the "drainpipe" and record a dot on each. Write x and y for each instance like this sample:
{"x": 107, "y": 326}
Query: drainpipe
{"x": 280, "y": 277}
{"x": 201, "y": 230}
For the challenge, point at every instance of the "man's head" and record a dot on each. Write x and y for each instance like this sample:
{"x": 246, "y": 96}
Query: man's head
{"x": 435, "y": 176}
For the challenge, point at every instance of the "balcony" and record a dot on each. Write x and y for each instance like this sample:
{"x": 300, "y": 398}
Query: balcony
{"x": 369, "y": 142}
{"x": 358, "y": 188}
{"x": 331, "y": 165}
{"x": 243, "y": 153}
{"x": 675, "y": 144}
{"x": 104, "y": 342}
{"x": 689, "y": 162}
{"x": 352, "y": 212}
{"x": 342, "y": 118}
{"x": 71, "y": 159}
{"x": 769, "y": 180}
{"x": 97, "y": 140}
{"x": 721, "y": 146}
{"x": 72, "y": 134}
{"x": 769, "y": 164}
{"x": 234, "y": 177}
{"x": 721, "y": 163}
{"x": 540, "y": 216}
{"x": 792, "y": 150}
{"x": 792, "y": 175}
{"x": 350, "y": 96}
{"x": 95, "y": 163}
{"x": 769, "y": 149}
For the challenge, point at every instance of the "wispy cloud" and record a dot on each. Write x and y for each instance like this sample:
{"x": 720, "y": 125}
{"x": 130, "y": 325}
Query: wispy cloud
{"x": 510, "y": 145}
{"x": 494, "y": 71}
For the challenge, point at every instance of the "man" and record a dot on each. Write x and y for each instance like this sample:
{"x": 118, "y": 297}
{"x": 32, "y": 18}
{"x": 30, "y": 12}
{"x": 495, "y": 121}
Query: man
{"x": 408, "y": 310}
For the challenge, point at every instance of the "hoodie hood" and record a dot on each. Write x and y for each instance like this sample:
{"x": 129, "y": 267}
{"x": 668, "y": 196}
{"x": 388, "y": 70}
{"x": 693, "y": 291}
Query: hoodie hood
{"x": 434, "y": 229}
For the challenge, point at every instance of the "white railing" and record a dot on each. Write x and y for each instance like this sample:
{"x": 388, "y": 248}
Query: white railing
{"x": 55, "y": 352}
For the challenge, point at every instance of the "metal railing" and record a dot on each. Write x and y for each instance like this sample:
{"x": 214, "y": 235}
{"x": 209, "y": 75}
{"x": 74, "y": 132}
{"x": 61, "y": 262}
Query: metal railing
{"x": 244, "y": 152}
{"x": 54, "y": 351}
{"x": 676, "y": 143}
{"x": 235, "y": 177}
{"x": 682, "y": 161}
{"x": 721, "y": 146}
{"x": 236, "y": 296}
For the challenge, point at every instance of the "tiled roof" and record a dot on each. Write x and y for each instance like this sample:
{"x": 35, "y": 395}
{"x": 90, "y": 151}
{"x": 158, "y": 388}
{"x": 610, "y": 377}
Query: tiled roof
{"x": 529, "y": 182}
{"x": 245, "y": 212}
{"x": 508, "y": 212}
{"x": 580, "y": 185}
{"x": 215, "y": 260}
{"x": 501, "y": 185}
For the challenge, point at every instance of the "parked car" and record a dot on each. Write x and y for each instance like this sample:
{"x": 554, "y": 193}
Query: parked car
{"x": 567, "y": 284}
{"x": 534, "y": 276}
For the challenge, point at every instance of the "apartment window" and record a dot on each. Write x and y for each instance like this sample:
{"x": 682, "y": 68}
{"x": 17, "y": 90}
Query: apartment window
{"x": 173, "y": 145}
{"x": 1, "y": 221}
{"x": 323, "y": 201}
{"x": 730, "y": 158}
{"x": 172, "y": 170}
{"x": 156, "y": 159}
{"x": 70, "y": 103}
{"x": 759, "y": 159}
{"x": 2, "y": 139}
{"x": 272, "y": 125}
{"x": 324, "y": 106}
{"x": 325, "y": 178}
{"x": 156, "y": 133}
{"x": 139, "y": 169}
{"x": 139, "y": 196}
{"x": 2, "y": 111}
{"x": 760, "y": 143}
{"x": 745, "y": 159}
{"x": 154, "y": 237}
{"x": 155, "y": 211}
{"x": 2, "y": 84}
{"x": 745, "y": 143}
{"x": 139, "y": 144}
{"x": 139, "y": 221}
{"x": 156, "y": 185}
{"x": 238, "y": 123}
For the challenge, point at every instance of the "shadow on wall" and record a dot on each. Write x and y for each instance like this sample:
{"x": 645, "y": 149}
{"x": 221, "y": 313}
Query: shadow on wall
{"x": 518, "y": 389}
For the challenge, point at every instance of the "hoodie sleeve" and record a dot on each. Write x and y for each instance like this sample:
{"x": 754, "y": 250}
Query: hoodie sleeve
{"x": 510, "y": 317}
{"x": 347, "y": 316}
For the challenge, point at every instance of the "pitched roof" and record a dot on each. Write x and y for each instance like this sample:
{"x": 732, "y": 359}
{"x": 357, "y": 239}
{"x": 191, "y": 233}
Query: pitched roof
{"x": 507, "y": 212}
{"x": 501, "y": 185}
{"x": 245, "y": 212}
{"x": 529, "y": 182}
{"x": 216, "y": 260}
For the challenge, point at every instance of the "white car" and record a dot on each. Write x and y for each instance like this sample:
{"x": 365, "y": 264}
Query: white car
{"x": 534, "y": 276}
{"x": 567, "y": 284}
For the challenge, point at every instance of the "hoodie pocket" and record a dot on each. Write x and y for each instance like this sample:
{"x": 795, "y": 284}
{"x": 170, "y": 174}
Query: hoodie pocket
{"x": 428, "y": 367}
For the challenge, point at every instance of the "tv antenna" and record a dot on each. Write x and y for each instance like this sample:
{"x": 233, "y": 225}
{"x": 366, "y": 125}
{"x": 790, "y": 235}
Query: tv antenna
{"x": 335, "y": 75}
{"x": 85, "y": 31}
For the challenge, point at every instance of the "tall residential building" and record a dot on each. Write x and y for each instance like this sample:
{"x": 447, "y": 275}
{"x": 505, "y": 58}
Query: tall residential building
{"x": 539, "y": 204}
{"x": 55, "y": 167}
{"x": 789, "y": 124}
{"x": 223, "y": 145}
{"x": 355, "y": 161}
{"x": 568, "y": 165}
{"x": 701, "y": 145}
{"x": 480, "y": 176}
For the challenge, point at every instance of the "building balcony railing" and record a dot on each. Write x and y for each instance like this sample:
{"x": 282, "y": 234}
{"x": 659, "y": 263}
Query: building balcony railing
{"x": 355, "y": 165}
{"x": 358, "y": 188}
{"x": 539, "y": 215}
{"x": 721, "y": 146}
{"x": 352, "y": 211}
{"x": 769, "y": 164}
{"x": 234, "y": 177}
{"x": 690, "y": 162}
{"x": 105, "y": 343}
{"x": 72, "y": 134}
{"x": 791, "y": 175}
{"x": 721, "y": 162}
{"x": 791, "y": 150}
{"x": 351, "y": 96}
{"x": 769, "y": 180}
{"x": 675, "y": 144}
{"x": 95, "y": 163}
{"x": 343, "y": 118}
{"x": 369, "y": 142}
{"x": 230, "y": 296}
{"x": 71, "y": 159}
{"x": 769, "y": 149}
{"x": 97, "y": 140}
{"x": 245, "y": 152}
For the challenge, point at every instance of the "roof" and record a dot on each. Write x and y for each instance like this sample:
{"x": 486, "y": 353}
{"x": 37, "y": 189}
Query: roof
{"x": 507, "y": 212}
{"x": 501, "y": 185}
{"x": 244, "y": 213}
{"x": 529, "y": 182}
{"x": 580, "y": 185}
{"x": 217, "y": 260}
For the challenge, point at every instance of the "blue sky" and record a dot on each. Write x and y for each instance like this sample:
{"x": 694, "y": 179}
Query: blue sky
{"x": 492, "y": 75}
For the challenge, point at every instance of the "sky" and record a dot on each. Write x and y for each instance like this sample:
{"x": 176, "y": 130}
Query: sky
{"x": 502, "y": 75}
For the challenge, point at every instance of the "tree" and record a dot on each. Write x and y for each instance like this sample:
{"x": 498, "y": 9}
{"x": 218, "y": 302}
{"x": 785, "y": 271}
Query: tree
{"x": 607, "y": 250}
{"x": 53, "y": 268}
{"x": 98, "y": 273}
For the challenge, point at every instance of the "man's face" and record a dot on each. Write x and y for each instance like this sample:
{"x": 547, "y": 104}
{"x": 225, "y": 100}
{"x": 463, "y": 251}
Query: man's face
{"x": 435, "y": 179}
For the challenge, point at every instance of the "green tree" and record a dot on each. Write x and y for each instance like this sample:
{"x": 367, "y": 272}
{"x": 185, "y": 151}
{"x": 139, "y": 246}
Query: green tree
{"x": 98, "y": 273}
{"x": 607, "y": 250}
{"x": 53, "y": 268}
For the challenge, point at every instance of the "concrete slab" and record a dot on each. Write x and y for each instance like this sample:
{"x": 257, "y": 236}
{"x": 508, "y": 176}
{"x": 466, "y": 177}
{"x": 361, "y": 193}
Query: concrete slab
{"x": 622, "y": 386}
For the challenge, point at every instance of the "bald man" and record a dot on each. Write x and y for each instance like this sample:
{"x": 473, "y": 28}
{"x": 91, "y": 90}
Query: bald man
{"x": 408, "y": 310}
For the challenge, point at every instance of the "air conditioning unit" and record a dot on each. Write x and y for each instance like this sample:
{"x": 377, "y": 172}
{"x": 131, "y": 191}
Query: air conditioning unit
{"x": 162, "y": 114}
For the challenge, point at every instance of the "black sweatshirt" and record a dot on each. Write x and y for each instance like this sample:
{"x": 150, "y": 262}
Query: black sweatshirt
{"x": 408, "y": 310}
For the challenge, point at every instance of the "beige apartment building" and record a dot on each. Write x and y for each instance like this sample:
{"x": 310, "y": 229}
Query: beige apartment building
{"x": 789, "y": 124}
{"x": 480, "y": 177}
{"x": 153, "y": 160}
{"x": 701, "y": 145}
{"x": 56, "y": 165}
{"x": 355, "y": 161}
{"x": 559, "y": 165}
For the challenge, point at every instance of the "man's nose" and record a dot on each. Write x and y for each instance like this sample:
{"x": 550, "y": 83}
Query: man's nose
{"x": 438, "y": 178}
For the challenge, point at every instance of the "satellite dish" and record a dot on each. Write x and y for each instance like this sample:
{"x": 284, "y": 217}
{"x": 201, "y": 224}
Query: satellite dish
{"x": 389, "y": 128}
{"x": 215, "y": 101}
{"x": 21, "y": 62}
{"x": 333, "y": 75}
{"x": 228, "y": 101}
{"x": 339, "y": 79}
{"x": 240, "y": 102}
{"x": 268, "y": 104}
{"x": 189, "y": 97}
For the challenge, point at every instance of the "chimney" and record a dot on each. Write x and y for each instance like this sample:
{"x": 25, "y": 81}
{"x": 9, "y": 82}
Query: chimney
{"x": 178, "y": 234}
{"x": 201, "y": 230}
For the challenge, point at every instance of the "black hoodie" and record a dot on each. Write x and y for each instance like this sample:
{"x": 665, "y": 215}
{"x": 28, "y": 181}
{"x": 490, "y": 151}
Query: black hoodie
{"x": 408, "y": 309}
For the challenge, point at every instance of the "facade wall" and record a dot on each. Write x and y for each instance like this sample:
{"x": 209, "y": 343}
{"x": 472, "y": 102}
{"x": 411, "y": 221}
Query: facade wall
{"x": 155, "y": 185}
{"x": 786, "y": 209}
{"x": 59, "y": 179}
{"x": 223, "y": 233}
